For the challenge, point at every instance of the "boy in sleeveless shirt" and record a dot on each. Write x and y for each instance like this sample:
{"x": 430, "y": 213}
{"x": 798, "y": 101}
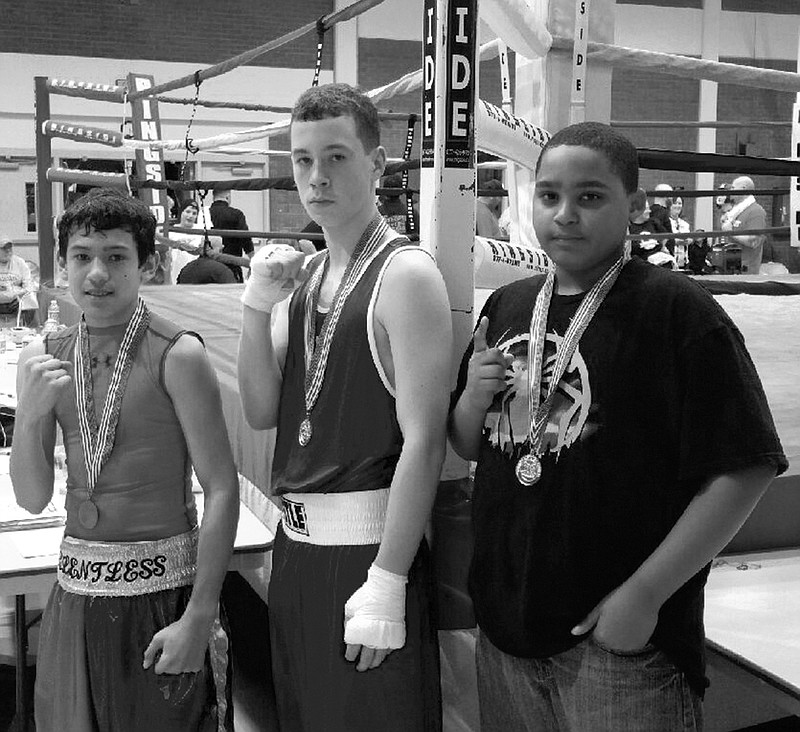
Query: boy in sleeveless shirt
{"x": 352, "y": 369}
{"x": 601, "y": 495}
{"x": 130, "y": 637}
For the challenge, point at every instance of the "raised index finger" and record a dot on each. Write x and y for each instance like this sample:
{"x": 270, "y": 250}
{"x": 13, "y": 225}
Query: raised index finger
{"x": 479, "y": 339}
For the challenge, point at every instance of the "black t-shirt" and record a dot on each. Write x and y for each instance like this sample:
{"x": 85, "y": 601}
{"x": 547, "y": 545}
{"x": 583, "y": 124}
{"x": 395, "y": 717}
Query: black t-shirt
{"x": 624, "y": 455}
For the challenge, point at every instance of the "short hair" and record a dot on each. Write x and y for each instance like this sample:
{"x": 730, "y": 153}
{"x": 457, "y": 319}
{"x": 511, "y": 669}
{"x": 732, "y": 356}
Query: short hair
{"x": 191, "y": 203}
{"x": 104, "y": 209}
{"x": 340, "y": 100}
{"x": 618, "y": 149}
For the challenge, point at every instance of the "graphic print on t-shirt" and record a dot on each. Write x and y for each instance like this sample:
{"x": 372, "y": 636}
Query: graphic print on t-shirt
{"x": 507, "y": 418}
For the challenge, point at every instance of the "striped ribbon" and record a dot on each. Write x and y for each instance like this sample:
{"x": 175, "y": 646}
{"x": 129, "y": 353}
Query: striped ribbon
{"x": 98, "y": 440}
{"x": 372, "y": 241}
{"x": 539, "y": 412}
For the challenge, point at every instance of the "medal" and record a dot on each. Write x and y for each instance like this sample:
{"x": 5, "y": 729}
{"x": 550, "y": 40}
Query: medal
{"x": 97, "y": 439}
{"x": 88, "y": 514}
{"x": 529, "y": 469}
{"x": 317, "y": 349}
{"x": 305, "y": 433}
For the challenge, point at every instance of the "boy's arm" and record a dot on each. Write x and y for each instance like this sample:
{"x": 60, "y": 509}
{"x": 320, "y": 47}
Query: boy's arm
{"x": 265, "y": 332}
{"x": 626, "y": 618}
{"x": 40, "y": 381}
{"x": 192, "y": 385}
{"x": 413, "y": 310}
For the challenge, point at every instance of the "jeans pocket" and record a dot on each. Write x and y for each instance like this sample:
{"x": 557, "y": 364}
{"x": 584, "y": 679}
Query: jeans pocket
{"x": 645, "y": 649}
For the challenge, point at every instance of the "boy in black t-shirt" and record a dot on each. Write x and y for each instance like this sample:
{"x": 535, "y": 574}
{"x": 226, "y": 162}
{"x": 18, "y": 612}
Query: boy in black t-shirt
{"x": 601, "y": 495}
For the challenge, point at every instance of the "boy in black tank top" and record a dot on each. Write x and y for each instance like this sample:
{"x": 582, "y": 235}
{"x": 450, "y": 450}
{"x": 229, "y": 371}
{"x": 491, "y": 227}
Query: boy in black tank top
{"x": 360, "y": 415}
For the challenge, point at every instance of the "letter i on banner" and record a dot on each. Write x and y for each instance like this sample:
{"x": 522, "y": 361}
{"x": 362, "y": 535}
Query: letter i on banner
{"x": 577, "y": 102}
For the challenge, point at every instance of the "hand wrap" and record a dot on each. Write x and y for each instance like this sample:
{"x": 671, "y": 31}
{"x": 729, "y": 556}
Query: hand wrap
{"x": 374, "y": 616}
{"x": 274, "y": 271}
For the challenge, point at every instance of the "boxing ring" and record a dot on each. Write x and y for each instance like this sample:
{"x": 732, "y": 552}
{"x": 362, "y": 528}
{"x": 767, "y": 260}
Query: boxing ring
{"x": 472, "y": 266}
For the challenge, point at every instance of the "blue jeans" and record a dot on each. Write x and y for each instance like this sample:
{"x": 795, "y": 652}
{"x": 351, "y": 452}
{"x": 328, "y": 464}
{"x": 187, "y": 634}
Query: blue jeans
{"x": 586, "y": 689}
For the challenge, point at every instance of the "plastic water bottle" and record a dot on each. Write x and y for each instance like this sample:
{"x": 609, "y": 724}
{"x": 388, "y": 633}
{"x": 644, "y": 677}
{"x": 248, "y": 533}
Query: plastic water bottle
{"x": 53, "y": 318}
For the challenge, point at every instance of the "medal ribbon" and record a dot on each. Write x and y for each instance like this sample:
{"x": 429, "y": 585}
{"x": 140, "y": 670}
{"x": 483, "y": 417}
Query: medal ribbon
{"x": 371, "y": 242}
{"x": 98, "y": 440}
{"x": 539, "y": 412}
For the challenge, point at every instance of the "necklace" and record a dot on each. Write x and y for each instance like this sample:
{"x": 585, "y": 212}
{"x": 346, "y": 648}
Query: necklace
{"x": 529, "y": 467}
{"x": 97, "y": 440}
{"x": 317, "y": 350}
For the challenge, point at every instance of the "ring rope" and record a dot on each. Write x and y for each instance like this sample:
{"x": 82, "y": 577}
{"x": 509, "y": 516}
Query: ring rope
{"x": 410, "y": 223}
{"x": 712, "y": 234}
{"x": 246, "y": 107}
{"x": 693, "y": 162}
{"x": 240, "y": 234}
{"x": 709, "y": 124}
{"x": 351, "y": 11}
{"x": 692, "y": 68}
{"x": 320, "y": 48}
{"x": 126, "y": 160}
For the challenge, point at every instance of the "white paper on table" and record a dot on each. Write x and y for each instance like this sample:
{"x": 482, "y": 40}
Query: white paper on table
{"x": 39, "y": 543}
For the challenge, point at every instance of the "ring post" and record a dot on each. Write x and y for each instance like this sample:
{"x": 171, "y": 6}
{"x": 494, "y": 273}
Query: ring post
{"x": 447, "y": 218}
{"x": 44, "y": 190}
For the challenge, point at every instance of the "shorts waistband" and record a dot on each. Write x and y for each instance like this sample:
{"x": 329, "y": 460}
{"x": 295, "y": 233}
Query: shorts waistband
{"x": 335, "y": 519}
{"x": 127, "y": 568}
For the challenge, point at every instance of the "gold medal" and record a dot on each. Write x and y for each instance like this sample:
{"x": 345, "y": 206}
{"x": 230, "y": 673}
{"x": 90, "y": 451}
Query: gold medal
{"x": 529, "y": 469}
{"x": 305, "y": 433}
{"x": 88, "y": 514}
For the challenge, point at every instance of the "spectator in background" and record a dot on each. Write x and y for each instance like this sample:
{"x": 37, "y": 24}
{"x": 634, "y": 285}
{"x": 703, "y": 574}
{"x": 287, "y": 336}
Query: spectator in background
{"x": 393, "y": 208}
{"x": 746, "y": 214}
{"x": 15, "y": 277}
{"x": 236, "y": 251}
{"x": 185, "y": 248}
{"x": 659, "y": 210}
{"x": 488, "y": 209}
{"x": 679, "y": 226}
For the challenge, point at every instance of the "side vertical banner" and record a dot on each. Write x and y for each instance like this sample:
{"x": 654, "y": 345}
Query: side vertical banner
{"x": 794, "y": 188}
{"x": 149, "y": 162}
{"x": 577, "y": 102}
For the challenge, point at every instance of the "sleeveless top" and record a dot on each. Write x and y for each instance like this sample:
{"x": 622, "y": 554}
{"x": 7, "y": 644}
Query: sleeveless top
{"x": 356, "y": 440}
{"x": 144, "y": 490}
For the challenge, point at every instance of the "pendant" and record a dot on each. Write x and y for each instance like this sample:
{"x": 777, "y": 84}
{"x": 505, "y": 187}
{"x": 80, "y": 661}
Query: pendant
{"x": 305, "y": 433}
{"x": 88, "y": 514}
{"x": 529, "y": 469}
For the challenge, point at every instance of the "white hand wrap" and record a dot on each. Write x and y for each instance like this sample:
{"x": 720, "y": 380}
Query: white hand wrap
{"x": 273, "y": 272}
{"x": 374, "y": 616}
